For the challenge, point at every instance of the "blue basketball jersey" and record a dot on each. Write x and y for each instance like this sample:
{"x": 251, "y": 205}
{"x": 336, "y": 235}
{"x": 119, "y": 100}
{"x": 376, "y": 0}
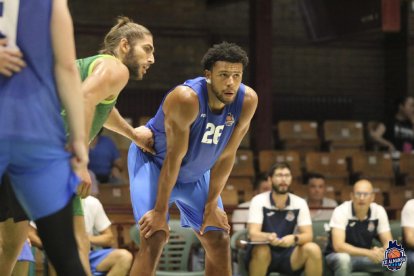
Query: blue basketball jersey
{"x": 209, "y": 133}
{"x": 29, "y": 103}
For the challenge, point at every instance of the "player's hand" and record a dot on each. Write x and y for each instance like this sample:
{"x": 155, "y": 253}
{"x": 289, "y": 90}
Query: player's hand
{"x": 286, "y": 241}
{"x": 152, "y": 222}
{"x": 79, "y": 163}
{"x": 11, "y": 60}
{"x": 216, "y": 217}
{"x": 84, "y": 188}
{"x": 144, "y": 138}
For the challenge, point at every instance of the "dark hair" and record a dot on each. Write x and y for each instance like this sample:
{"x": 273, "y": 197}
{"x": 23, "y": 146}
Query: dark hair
{"x": 125, "y": 28}
{"x": 259, "y": 179}
{"x": 312, "y": 175}
{"x": 398, "y": 102}
{"x": 224, "y": 51}
{"x": 277, "y": 166}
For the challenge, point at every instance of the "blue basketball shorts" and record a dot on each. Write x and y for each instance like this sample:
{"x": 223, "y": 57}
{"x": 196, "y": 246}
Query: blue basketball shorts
{"x": 26, "y": 254}
{"x": 190, "y": 198}
{"x": 96, "y": 257}
{"x": 41, "y": 176}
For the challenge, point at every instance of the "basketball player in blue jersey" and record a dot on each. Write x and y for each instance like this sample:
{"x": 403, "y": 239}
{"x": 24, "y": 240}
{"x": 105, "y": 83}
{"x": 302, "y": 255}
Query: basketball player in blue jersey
{"x": 32, "y": 135}
{"x": 197, "y": 131}
{"x": 127, "y": 53}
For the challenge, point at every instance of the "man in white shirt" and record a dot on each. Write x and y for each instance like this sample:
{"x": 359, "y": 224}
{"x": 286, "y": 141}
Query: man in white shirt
{"x": 241, "y": 214}
{"x": 316, "y": 198}
{"x": 106, "y": 261}
{"x": 407, "y": 224}
{"x": 354, "y": 225}
{"x": 273, "y": 219}
{"x": 103, "y": 259}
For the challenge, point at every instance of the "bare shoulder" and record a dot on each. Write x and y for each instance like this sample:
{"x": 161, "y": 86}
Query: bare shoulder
{"x": 113, "y": 71}
{"x": 182, "y": 95}
{"x": 250, "y": 96}
{"x": 249, "y": 103}
{"x": 182, "y": 103}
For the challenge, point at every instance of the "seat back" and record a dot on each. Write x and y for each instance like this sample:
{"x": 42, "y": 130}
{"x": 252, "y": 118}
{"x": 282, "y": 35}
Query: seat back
{"x": 320, "y": 233}
{"x": 243, "y": 164}
{"x": 267, "y": 158}
{"x": 114, "y": 194}
{"x": 330, "y": 164}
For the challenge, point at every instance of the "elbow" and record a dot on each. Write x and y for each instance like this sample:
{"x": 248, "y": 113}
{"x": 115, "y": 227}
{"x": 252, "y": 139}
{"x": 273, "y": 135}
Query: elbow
{"x": 67, "y": 67}
{"x": 337, "y": 247}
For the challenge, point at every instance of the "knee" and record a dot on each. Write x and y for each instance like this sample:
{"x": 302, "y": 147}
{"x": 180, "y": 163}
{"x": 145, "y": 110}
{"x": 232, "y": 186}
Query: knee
{"x": 124, "y": 256}
{"x": 342, "y": 260}
{"x": 217, "y": 240}
{"x": 261, "y": 253}
{"x": 312, "y": 250}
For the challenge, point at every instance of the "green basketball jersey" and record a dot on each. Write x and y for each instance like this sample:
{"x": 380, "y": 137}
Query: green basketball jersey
{"x": 102, "y": 110}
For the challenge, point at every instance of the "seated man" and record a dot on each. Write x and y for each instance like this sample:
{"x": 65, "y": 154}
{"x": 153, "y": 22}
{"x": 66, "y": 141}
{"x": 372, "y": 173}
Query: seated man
{"x": 354, "y": 225}
{"x": 273, "y": 217}
{"x": 106, "y": 261}
{"x": 316, "y": 198}
{"x": 407, "y": 224}
{"x": 105, "y": 160}
{"x": 240, "y": 216}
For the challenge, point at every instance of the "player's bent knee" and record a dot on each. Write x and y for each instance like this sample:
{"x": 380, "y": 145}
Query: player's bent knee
{"x": 217, "y": 240}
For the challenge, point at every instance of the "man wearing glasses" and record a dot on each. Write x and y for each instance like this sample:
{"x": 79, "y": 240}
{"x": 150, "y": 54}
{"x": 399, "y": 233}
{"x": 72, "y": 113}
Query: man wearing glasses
{"x": 354, "y": 225}
{"x": 274, "y": 217}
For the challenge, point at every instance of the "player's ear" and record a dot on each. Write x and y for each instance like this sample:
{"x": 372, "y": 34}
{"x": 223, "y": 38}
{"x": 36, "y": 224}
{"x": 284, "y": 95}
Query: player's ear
{"x": 207, "y": 75}
{"x": 124, "y": 45}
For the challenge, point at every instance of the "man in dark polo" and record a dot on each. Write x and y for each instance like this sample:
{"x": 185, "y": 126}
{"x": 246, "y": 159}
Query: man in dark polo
{"x": 354, "y": 225}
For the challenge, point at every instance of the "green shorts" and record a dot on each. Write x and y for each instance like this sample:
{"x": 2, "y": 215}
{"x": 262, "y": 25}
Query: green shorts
{"x": 77, "y": 206}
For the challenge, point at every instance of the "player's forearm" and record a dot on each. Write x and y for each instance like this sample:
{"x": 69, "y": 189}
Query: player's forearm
{"x": 67, "y": 76}
{"x": 89, "y": 112}
{"x": 118, "y": 124}
{"x": 102, "y": 240}
{"x": 166, "y": 182}
{"x": 219, "y": 175}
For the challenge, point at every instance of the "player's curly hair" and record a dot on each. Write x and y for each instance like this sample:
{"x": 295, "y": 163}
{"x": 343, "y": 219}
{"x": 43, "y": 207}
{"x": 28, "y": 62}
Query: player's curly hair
{"x": 125, "y": 28}
{"x": 224, "y": 51}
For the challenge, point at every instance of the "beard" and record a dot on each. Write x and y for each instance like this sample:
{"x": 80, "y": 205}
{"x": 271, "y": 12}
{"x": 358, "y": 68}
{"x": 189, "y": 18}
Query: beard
{"x": 277, "y": 190}
{"x": 220, "y": 97}
{"x": 132, "y": 65}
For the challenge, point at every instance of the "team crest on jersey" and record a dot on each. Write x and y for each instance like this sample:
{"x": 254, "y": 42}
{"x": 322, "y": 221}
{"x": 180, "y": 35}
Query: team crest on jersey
{"x": 371, "y": 226}
{"x": 229, "y": 119}
{"x": 290, "y": 216}
{"x": 394, "y": 256}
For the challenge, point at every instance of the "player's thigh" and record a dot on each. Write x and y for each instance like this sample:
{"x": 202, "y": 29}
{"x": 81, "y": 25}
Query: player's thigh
{"x": 143, "y": 178}
{"x": 191, "y": 199}
{"x": 42, "y": 178}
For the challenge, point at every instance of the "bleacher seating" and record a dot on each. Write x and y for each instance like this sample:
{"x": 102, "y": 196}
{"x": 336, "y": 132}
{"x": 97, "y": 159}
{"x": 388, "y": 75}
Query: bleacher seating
{"x": 243, "y": 164}
{"x": 344, "y": 136}
{"x": 301, "y": 136}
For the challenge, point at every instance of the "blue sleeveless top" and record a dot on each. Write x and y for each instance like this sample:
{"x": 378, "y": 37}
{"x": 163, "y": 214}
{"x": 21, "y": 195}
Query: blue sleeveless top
{"x": 29, "y": 103}
{"x": 209, "y": 133}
